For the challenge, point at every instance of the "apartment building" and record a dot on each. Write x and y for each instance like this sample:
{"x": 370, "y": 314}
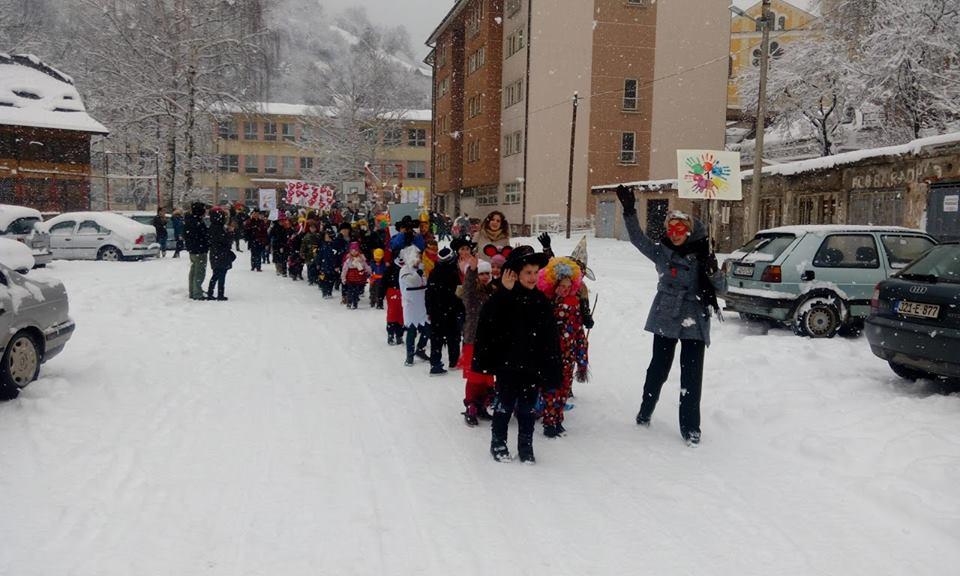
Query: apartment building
{"x": 649, "y": 79}
{"x": 263, "y": 146}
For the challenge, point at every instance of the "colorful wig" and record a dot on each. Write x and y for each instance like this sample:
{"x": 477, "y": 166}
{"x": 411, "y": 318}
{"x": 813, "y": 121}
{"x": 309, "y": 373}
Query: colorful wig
{"x": 555, "y": 271}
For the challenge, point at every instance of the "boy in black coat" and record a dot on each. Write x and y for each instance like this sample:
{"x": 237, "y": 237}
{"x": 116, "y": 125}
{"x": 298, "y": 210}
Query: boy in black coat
{"x": 517, "y": 341}
{"x": 445, "y": 310}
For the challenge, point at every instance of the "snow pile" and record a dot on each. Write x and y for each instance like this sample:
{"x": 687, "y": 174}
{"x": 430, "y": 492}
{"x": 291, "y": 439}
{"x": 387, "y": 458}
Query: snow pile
{"x": 33, "y": 94}
{"x": 15, "y": 255}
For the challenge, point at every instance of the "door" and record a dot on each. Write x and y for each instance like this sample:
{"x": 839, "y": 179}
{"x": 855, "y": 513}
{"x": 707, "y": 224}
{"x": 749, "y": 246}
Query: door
{"x": 89, "y": 238}
{"x": 6, "y": 309}
{"x": 606, "y": 218}
{"x": 943, "y": 212}
{"x": 656, "y": 214}
{"x": 849, "y": 264}
{"x": 61, "y": 239}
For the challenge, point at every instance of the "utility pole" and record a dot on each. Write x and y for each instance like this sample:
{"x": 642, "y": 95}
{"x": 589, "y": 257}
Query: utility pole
{"x": 753, "y": 214}
{"x": 573, "y": 145}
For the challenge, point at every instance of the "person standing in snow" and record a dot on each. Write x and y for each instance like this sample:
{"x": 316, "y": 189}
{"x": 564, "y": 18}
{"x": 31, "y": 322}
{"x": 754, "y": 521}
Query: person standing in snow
{"x": 394, "y": 302}
{"x": 354, "y": 275}
{"x": 160, "y": 226}
{"x": 327, "y": 262}
{"x": 377, "y": 269}
{"x": 517, "y": 342}
{"x": 255, "y": 229}
{"x": 476, "y": 290}
{"x": 494, "y": 236}
{"x": 221, "y": 257}
{"x": 197, "y": 239}
{"x": 445, "y": 310}
{"x": 279, "y": 236}
{"x": 177, "y": 221}
{"x": 413, "y": 287}
{"x": 686, "y": 298}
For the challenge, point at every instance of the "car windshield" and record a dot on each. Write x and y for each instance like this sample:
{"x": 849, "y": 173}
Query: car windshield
{"x": 941, "y": 263}
{"x": 22, "y": 225}
{"x": 764, "y": 248}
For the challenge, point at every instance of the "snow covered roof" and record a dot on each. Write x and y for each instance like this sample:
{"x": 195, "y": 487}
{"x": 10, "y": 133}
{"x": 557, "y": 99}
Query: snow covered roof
{"x": 9, "y": 213}
{"x": 454, "y": 10}
{"x": 827, "y": 228}
{"x": 282, "y": 109}
{"x": 15, "y": 255}
{"x": 641, "y": 184}
{"x": 36, "y": 95}
{"x": 809, "y": 6}
{"x": 114, "y": 222}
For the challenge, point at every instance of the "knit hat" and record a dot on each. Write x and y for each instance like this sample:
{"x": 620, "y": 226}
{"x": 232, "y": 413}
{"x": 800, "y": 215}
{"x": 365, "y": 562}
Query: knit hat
{"x": 498, "y": 261}
{"x": 355, "y": 246}
{"x": 378, "y": 254}
{"x": 484, "y": 267}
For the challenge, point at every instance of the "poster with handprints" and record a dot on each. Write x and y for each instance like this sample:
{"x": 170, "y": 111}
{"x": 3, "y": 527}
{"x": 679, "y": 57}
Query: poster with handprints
{"x": 708, "y": 175}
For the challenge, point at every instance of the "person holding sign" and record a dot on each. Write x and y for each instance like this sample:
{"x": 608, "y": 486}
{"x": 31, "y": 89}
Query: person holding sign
{"x": 686, "y": 299}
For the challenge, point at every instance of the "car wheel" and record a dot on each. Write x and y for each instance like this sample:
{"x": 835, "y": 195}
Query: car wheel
{"x": 906, "y": 373}
{"x": 110, "y": 254}
{"x": 819, "y": 320}
{"x": 21, "y": 362}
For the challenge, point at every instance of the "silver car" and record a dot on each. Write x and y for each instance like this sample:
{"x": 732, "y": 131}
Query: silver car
{"x": 35, "y": 325}
{"x": 20, "y": 223}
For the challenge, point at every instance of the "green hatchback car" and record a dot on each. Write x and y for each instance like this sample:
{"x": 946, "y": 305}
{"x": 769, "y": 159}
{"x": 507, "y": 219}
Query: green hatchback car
{"x": 817, "y": 279}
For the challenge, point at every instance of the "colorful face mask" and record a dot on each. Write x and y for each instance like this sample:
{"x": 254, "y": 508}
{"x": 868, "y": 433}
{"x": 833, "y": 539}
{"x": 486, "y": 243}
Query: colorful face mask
{"x": 677, "y": 230}
{"x": 490, "y": 250}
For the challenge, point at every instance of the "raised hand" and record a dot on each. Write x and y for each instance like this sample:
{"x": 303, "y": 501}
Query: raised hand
{"x": 627, "y": 199}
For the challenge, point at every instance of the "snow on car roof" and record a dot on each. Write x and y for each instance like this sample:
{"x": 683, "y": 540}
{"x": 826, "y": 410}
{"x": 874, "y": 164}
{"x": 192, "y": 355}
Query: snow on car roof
{"x": 36, "y": 95}
{"x": 15, "y": 255}
{"x": 822, "y": 228}
{"x": 114, "y": 222}
{"x": 9, "y": 213}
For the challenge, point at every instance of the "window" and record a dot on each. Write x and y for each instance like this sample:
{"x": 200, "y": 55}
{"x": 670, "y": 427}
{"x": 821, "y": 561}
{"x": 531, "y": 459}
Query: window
{"x": 443, "y": 161}
{"x": 64, "y": 228}
{"x": 847, "y": 251}
{"x": 270, "y": 131}
{"x": 487, "y": 196}
{"x": 881, "y": 208}
{"x": 473, "y": 151}
{"x": 392, "y": 169}
{"x": 630, "y": 94}
{"x": 227, "y": 130}
{"x": 628, "y": 148}
{"x": 289, "y": 166}
{"x": 637, "y": 2}
{"x": 816, "y": 209}
{"x": 289, "y": 132}
{"x": 441, "y": 55}
{"x": 230, "y": 163}
{"x": 776, "y": 52}
{"x": 251, "y": 196}
{"x": 782, "y": 22}
{"x": 306, "y": 163}
{"x": 475, "y": 106}
{"x": 417, "y": 137}
{"x": 512, "y": 7}
{"x": 250, "y": 164}
{"x": 902, "y": 250}
{"x": 416, "y": 169}
{"x": 474, "y": 18}
{"x": 512, "y": 194}
{"x": 392, "y": 137}
{"x": 514, "y": 43}
{"x": 22, "y": 225}
{"x": 249, "y": 130}
{"x": 269, "y": 164}
{"x": 444, "y": 86}
{"x": 513, "y": 143}
{"x": 513, "y": 93}
{"x": 91, "y": 228}
{"x": 476, "y": 60}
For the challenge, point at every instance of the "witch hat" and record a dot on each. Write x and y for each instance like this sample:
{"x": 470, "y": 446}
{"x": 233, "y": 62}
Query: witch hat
{"x": 580, "y": 255}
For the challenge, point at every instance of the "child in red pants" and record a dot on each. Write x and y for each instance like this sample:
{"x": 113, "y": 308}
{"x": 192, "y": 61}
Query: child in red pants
{"x": 474, "y": 292}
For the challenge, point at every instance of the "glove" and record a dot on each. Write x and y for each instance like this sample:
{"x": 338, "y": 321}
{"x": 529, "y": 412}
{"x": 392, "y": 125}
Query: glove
{"x": 712, "y": 264}
{"x": 627, "y": 199}
{"x": 544, "y": 240}
{"x": 586, "y": 315}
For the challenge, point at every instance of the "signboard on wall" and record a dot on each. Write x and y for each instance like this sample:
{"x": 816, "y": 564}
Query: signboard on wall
{"x": 709, "y": 175}
{"x": 268, "y": 199}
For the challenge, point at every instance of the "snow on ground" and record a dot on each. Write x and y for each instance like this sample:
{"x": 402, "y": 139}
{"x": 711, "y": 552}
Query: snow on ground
{"x": 278, "y": 434}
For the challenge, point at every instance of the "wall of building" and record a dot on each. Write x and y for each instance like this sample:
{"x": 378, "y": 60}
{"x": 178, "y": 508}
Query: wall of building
{"x": 513, "y": 115}
{"x": 44, "y": 169}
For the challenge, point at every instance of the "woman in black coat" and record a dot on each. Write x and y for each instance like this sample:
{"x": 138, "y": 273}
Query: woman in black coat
{"x": 221, "y": 257}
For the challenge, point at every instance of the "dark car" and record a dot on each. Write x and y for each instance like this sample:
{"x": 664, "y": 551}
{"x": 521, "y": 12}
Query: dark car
{"x": 915, "y": 316}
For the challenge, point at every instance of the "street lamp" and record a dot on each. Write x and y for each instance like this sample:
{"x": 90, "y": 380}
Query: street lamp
{"x": 753, "y": 214}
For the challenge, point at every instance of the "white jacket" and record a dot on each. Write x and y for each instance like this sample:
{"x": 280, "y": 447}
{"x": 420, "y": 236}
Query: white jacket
{"x": 413, "y": 290}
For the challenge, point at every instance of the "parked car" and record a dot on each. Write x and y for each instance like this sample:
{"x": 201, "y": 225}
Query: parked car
{"x": 146, "y": 217}
{"x": 914, "y": 322}
{"x": 35, "y": 325}
{"x": 20, "y": 223}
{"x": 817, "y": 279}
{"x": 100, "y": 236}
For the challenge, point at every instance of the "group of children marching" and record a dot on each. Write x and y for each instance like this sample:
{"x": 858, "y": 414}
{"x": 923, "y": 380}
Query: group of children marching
{"x": 512, "y": 319}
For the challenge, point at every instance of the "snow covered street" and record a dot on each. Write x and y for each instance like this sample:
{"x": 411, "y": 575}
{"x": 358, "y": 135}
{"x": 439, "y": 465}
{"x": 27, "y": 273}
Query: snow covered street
{"x": 277, "y": 434}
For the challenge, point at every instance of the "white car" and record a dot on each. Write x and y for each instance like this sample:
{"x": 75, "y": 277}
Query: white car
{"x": 100, "y": 236}
{"x": 20, "y": 223}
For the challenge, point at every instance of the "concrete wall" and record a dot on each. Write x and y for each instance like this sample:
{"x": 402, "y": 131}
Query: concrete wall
{"x": 512, "y": 118}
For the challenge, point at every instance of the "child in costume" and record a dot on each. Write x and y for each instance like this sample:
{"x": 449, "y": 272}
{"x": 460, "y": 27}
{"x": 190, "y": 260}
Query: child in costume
{"x": 377, "y": 270}
{"x": 476, "y": 290}
{"x": 354, "y": 275}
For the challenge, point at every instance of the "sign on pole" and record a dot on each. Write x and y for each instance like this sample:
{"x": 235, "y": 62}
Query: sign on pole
{"x": 309, "y": 195}
{"x": 708, "y": 175}
{"x": 268, "y": 199}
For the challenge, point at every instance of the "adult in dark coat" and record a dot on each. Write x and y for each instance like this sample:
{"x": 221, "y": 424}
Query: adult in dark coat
{"x": 686, "y": 298}
{"x": 328, "y": 262}
{"x": 255, "y": 230}
{"x": 160, "y": 226}
{"x": 445, "y": 311}
{"x": 221, "y": 257}
{"x": 518, "y": 342}
{"x": 279, "y": 236}
{"x": 197, "y": 239}
{"x": 341, "y": 245}
{"x": 177, "y": 221}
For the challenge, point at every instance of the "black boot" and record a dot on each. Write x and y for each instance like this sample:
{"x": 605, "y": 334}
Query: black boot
{"x": 525, "y": 448}
{"x": 498, "y": 443}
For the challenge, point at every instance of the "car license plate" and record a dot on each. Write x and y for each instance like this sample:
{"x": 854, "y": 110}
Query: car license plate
{"x": 743, "y": 270}
{"x": 918, "y": 309}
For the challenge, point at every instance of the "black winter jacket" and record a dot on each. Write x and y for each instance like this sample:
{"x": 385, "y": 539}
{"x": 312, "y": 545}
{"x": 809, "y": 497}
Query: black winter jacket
{"x": 221, "y": 257}
{"x": 517, "y": 338}
{"x": 195, "y": 234}
{"x": 441, "y": 297}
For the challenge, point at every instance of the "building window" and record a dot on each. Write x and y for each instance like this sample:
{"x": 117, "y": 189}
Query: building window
{"x": 289, "y": 132}
{"x": 289, "y": 165}
{"x": 441, "y": 55}
{"x": 513, "y": 93}
{"x": 476, "y": 60}
{"x": 251, "y": 196}
{"x": 473, "y": 151}
{"x": 249, "y": 130}
{"x": 514, "y": 43}
{"x": 487, "y": 196}
{"x": 250, "y": 164}
{"x": 637, "y": 2}
{"x": 442, "y": 161}
{"x": 475, "y": 106}
{"x": 776, "y": 52}
{"x": 306, "y": 163}
{"x": 630, "y": 94}
{"x": 512, "y": 194}
{"x": 474, "y": 18}
{"x": 628, "y": 148}
{"x": 269, "y": 164}
{"x": 782, "y": 22}
{"x": 227, "y": 130}
{"x": 230, "y": 163}
{"x": 513, "y": 6}
{"x": 392, "y": 169}
{"x": 417, "y": 137}
{"x": 513, "y": 143}
{"x": 416, "y": 169}
{"x": 270, "y": 131}
{"x": 444, "y": 86}
{"x": 392, "y": 137}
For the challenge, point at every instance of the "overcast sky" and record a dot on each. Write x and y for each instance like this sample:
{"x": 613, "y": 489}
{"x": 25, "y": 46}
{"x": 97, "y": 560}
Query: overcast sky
{"x": 419, "y": 16}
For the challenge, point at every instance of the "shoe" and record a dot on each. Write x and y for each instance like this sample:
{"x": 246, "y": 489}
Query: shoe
{"x": 437, "y": 371}
{"x": 643, "y": 420}
{"x": 222, "y": 298}
{"x": 470, "y": 416}
{"x": 552, "y": 431}
{"x": 408, "y": 362}
{"x": 500, "y": 452}
{"x": 692, "y": 438}
{"x": 390, "y": 340}
{"x": 483, "y": 414}
{"x": 525, "y": 452}
{"x": 422, "y": 354}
